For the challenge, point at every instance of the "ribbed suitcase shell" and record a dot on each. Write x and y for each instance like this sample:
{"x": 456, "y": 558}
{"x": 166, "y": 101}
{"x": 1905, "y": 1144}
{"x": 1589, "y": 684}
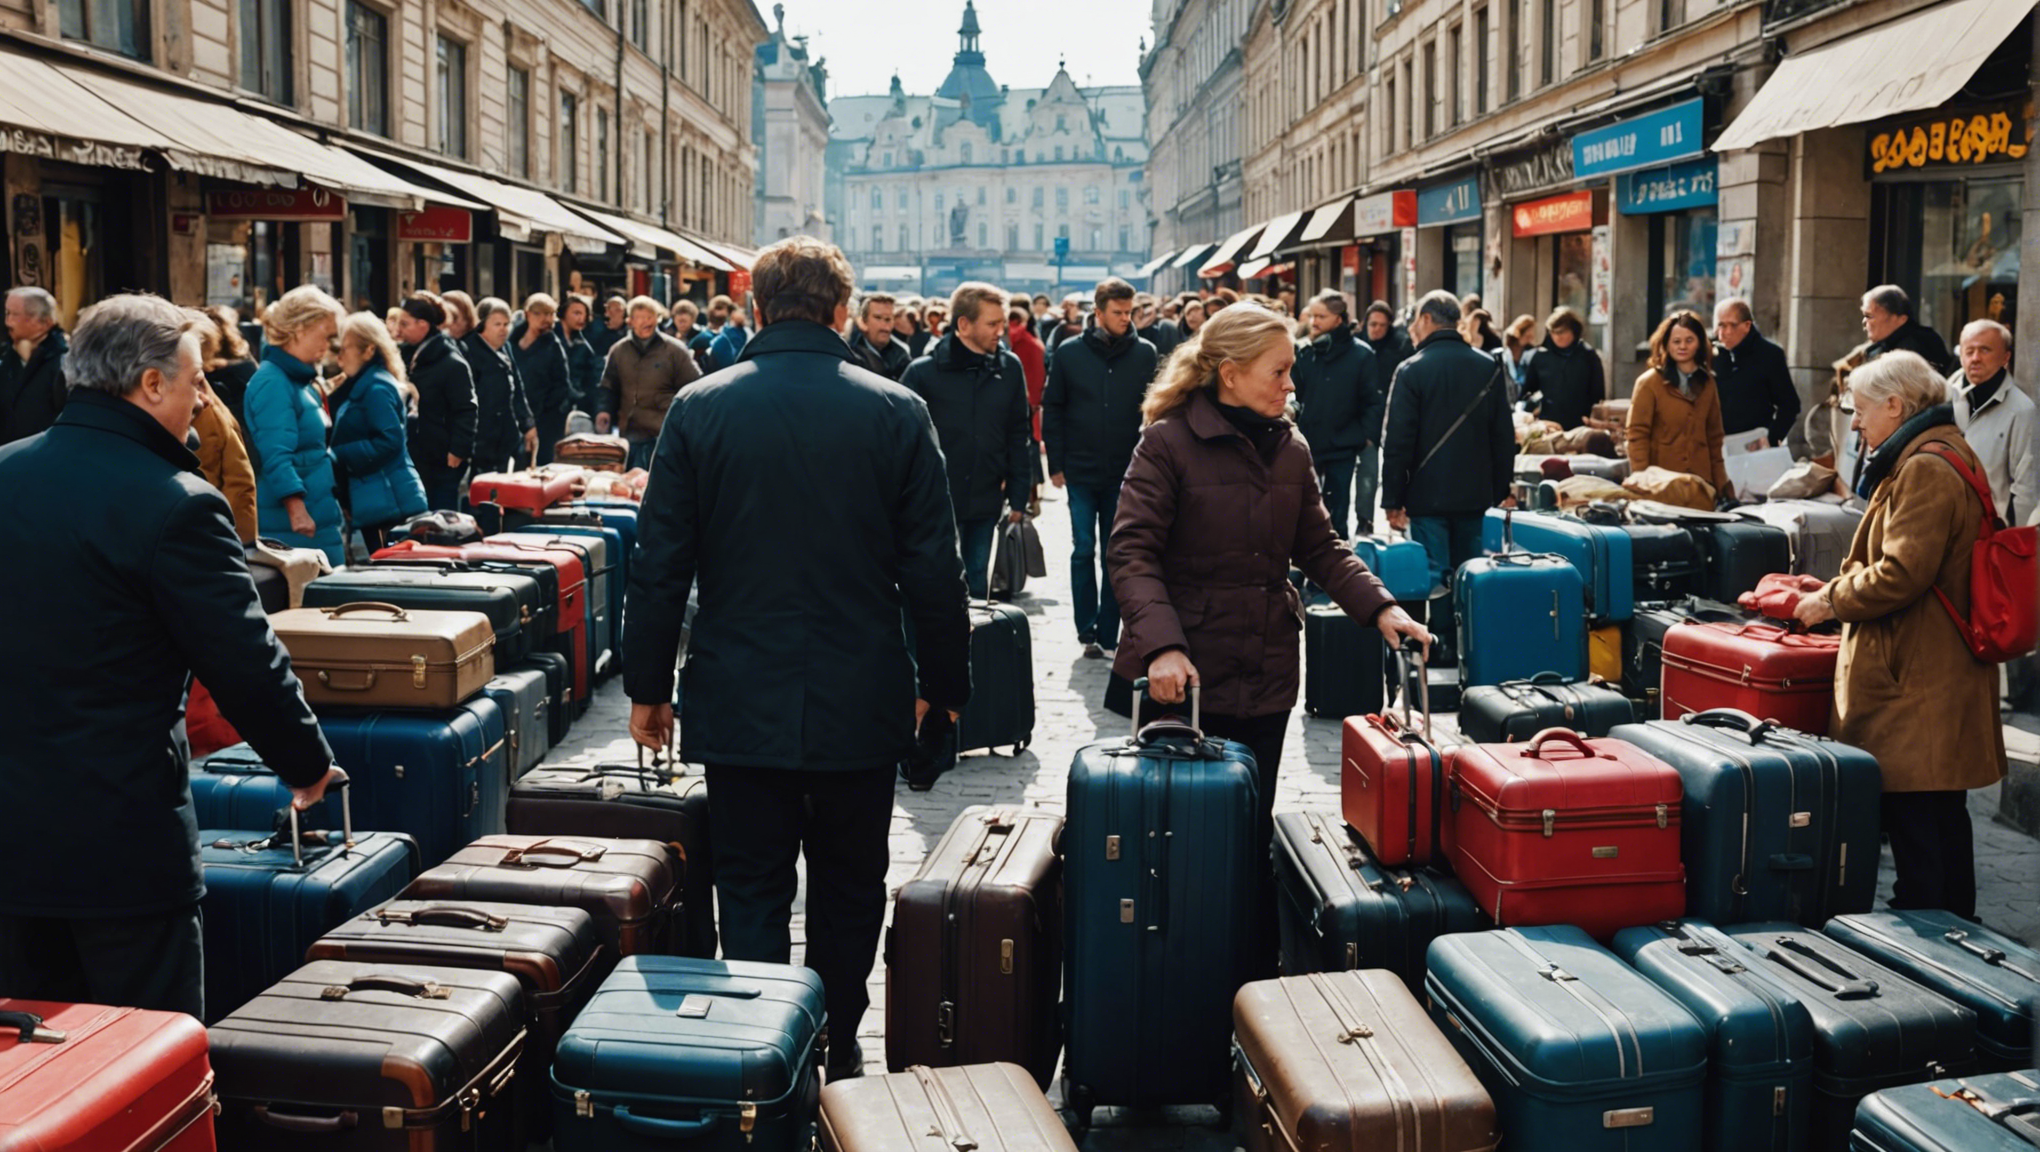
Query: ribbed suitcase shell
{"x": 442, "y": 777}
{"x": 1519, "y": 709}
{"x": 371, "y": 655}
{"x": 629, "y": 887}
{"x": 599, "y": 548}
{"x": 566, "y": 523}
{"x": 980, "y": 1107}
{"x": 1341, "y": 663}
{"x": 508, "y": 599}
{"x": 1998, "y": 1113}
{"x": 233, "y": 788}
{"x": 1392, "y": 789}
{"x": 1987, "y": 972}
{"x": 1643, "y": 645}
{"x": 120, "y": 1080}
{"x": 559, "y": 692}
{"x": 520, "y": 694}
{"x": 1760, "y": 669}
{"x": 1520, "y": 614}
{"x": 526, "y": 490}
{"x": 1738, "y": 555}
{"x": 1599, "y": 552}
{"x": 1401, "y": 564}
{"x": 1001, "y": 707}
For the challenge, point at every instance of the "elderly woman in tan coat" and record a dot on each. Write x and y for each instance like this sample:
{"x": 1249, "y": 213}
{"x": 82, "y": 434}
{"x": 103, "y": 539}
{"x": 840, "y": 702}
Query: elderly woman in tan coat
{"x": 1907, "y": 688}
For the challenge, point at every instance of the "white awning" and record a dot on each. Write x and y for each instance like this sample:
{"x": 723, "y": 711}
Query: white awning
{"x": 1221, "y": 260}
{"x": 742, "y": 257}
{"x": 1153, "y": 266}
{"x": 646, "y": 238}
{"x": 51, "y": 114}
{"x": 1275, "y": 235}
{"x": 519, "y": 211}
{"x": 1192, "y": 255}
{"x": 1915, "y": 62}
{"x": 1322, "y": 218}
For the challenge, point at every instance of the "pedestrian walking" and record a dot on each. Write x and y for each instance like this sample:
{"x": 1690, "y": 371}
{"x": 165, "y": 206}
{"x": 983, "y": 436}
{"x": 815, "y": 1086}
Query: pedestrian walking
{"x": 229, "y": 365}
{"x": 718, "y": 315}
{"x": 460, "y": 314}
{"x": 1158, "y": 330}
{"x": 683, "y": 325}
{"x": 1026, "y": 347}
{"x": 1563, "y": 378}
{"x": 1479, "y": 329}
{"x": 614, "y": 327}
{"x": 1517, "y": 341}
{"x": 372, "y": 408}
{"x": 639, "y": 381}
{"x": 1391, "y": 343}
{"x": 1888, "y": 322}
{"x": 503, "y": 418}
{"x": 729, "y": 343}
{"x": 1997, "y": 418}
{"x": 443, "y": 440}
{"x": 1192, "y": 319}
{"x": 934, "y": 325}
{"x": 1070, "y": 325}
{"x": 111, "y": 498}
{"x": 908, "y": 330}
{"x": 873, "y": 338}
{"x": 32, "y": 387}
{"x": 1675, "y": 410}
{"x": 1756, "y": 385}
{"x": 1340, "y": 399}
{"x": 976, "y": 393}
{"x": 584, "y": 364}
{"x": 287, "y": 424}
{"x": 546, "y": 370}
{"x": 222, "y": 445}
{"x": 741, "y": 462}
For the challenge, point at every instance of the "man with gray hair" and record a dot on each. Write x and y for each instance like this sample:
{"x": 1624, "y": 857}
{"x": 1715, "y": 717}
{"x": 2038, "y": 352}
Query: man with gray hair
{"x": 1755, "y": 383}
{"x": 1339, "y": 398}
{"x": 154, "y": 576}
{"x": 31, "y": 366}
{"x": 1888, "y": 322}
{"x": 1997, "y": 418}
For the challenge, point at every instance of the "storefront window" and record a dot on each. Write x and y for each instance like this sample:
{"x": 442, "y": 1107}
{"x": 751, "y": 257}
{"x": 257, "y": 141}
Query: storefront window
{"x": 1573, "y": 272}
{"x": 1463, "y": 259}
{"x": 1954, "y": 245}
{"x": 1682, "y": 263}
{"x": 75, "y": 252}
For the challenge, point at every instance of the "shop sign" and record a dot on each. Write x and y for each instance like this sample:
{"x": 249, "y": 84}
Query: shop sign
{"x": 26, "y": 142}
{"x": 1547, "y": 167}
{"x": 1572, "y": 212}
{"x": 1349, "y": 259}
{"x": 1449, "y": 203}
{"x": 1687, "y": 185}
{"x": 1601, "y": 282}
{"x": 1409, "y": 266}
{"x": 740, "y": 281}
{"x": 275, "y": 204}
{"x": 1384, "y": 213}
{"x": 437, "y": 224}
{"x": 1992, "y": 134}
{"x": 1645, "y": 141}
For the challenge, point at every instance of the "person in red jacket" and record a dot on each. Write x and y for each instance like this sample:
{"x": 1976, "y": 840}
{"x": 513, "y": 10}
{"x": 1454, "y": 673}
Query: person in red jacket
{"x": 1034, "y": 365}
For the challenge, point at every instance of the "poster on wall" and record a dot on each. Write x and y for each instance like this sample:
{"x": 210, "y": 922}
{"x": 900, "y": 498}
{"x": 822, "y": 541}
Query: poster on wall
{"x": 1603, "y": 279}
{"x": 224, "y": 264}
{"x": 1732, "y": 276}
{"x": 1409, "y": 267}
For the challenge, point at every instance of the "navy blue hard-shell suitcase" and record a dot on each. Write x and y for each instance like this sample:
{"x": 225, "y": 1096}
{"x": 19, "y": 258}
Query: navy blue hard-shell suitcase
{"x": 1992, "y": 1113}
{"x": 676, "y": 1053}
{"x": 1520, "y": 614}
{"x": 1759, "y": 1093}
{"x": 613, "y": 567}
{"x": 510, "y": 600}
{"x": 521, "y": 694}
{"x": 442, "y": 777}
{"x": 1579, "y": 1051}
{"x": 559, "y": 691}
{"x": 1164, "y": 858}
{"x": 1776, "y": 825}
{"x": 598, "y": 551}
{"x": 1873, "y": 1028}
{"x": 1991, "y": 974}
{"x": 233, "y": 788}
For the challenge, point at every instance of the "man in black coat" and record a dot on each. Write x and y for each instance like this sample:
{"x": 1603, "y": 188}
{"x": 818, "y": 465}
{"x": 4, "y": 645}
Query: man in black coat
{"x": 1391, "y": 343}
{"x": 872, "y": 337}
{"x": 1564, "y": 372}
{"x": 615, "y": 325}
{"x": 443, "y": 439}
{"x": 1090, "y": 421}
{"x": 1339, "y": 399}
{"x": 1750, "y": 372}
{"x": 976, "y": 394}
{"x": 31, "y": 366}
{"x": 102, "y": 864}
{"x": 548, "y": 375}
{"x": 806, "y": 495}
{"x": 1448, "y": 453}
{"x": 1888, "y": 321}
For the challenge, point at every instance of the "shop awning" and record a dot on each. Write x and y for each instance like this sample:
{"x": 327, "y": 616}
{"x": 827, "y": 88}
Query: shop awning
{"x": 1221, "y": 260}
{"x": 1265, "y": 266}
{"x": 1151, "y": 267}
{"x": 1915, "y": 62}
{"x": 1278, "y": 232}
{"x": 1192, "y": 255}
{"x": 646, "y": 239}
{"x": 746, "y": 258}
{"x": 1323, "y": 218}
{"x": 519, "y": 211}
{"x": 54, "y": 115}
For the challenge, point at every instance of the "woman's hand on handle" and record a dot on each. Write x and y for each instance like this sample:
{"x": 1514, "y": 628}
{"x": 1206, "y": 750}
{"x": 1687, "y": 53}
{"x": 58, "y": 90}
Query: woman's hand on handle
{"x": 1170, "y": 676}
{"x": 1395, "y": 624}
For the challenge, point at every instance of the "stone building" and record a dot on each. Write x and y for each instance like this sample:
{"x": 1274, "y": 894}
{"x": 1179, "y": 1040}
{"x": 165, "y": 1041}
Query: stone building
{"x": 790, "y": 121}
{"x": 1193, "y": 81}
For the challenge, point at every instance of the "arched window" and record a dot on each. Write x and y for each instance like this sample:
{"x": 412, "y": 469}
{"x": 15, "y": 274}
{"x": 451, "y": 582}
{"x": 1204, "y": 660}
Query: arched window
{"x": 965, "y": 150}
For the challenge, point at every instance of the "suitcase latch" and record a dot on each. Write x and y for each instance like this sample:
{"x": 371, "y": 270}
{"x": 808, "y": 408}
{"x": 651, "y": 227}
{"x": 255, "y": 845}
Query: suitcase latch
{"x": 1005, "y": 957}
{"x": 1628, "y": 1117}
{"x": 1557, "y": 975}
{"x": 417, "y": 672}
{"x": 1550, "y": 821}
{"x": 945, "y": 1023}
{"x": 584, "y": 1104}
{"x": 694, "y": 1007}
{"x": 1802, "y": 819}
{"x": 393, "y": 1117}
{"x": 747, "y": 1118}
{"x": 1126, "y": 911}
{"x": 1112, "y": 847}
{"x": 1778, "y": 1101}
{"x": 1664, "y": 815}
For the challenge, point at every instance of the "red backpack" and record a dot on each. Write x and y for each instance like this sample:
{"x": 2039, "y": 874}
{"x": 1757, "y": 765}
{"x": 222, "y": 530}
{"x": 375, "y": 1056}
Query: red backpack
{"x": 2004, "y": 580}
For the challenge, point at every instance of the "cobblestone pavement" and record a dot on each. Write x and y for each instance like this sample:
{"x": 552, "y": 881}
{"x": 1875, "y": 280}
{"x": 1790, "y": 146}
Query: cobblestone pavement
{"x": 1068, "y": 690}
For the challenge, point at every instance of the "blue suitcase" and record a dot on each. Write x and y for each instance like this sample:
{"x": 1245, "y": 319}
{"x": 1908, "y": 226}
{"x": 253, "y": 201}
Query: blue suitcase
{"x": 1520, "y": 614}
{"x": 1759, "y": 1092}
{"x": 1872, "y": 1028}
{"x": 676, "y": 1053}
{"x": 1999, "y": 1113}
{"x": 442, "y": 777}
{"x": 233, "y": 788}
{"x": 1579, "y": 1051}
{"x": 615, "y": 572}
{"x": 1165, "y": 855}
{"x": 1600, "y": 552}
{"x": 598, "y": 550}
{"x": 559, "y": 692}
{"x": 1776, "y": 825}
{"x": 1992, "y": 975}
{"x": 522, "y": 696}
{"x": 1400, "y": 563}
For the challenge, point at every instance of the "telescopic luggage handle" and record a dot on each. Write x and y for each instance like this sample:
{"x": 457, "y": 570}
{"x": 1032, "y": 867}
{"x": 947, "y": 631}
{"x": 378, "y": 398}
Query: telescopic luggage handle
{"x": 1163, "y": 728}
{"x": 1408, "y": 653}
{"x": 340, "y": 781}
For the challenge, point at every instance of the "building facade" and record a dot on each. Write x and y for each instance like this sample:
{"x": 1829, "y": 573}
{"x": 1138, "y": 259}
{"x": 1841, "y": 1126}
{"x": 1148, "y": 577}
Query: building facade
{"x": 1193, "y": 81}
{"x": 790, "y": 121}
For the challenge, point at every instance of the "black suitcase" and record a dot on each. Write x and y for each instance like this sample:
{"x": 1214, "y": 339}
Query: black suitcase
{"x": 1342, "y": 664}
{"x": 522, "y": 696}
{"x": 1519, "y": 709}
{"x": 1665, "y": 560}
{"x": 1643, "y": 646}
{"x": 559, "y": 692}
{"x": 509, "y": 599}
{"x": 1739, "y": 554}
{"x": 1995, "y": 976}
{"x": 1001, "y": 708}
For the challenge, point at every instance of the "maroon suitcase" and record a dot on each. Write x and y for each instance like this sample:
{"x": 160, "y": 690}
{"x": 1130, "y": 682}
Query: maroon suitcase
{"x": 1392, "y": 778}
{"x": 630, "y": 887}
{"x": 1761, "y": 669}
{"x": 87, "y": 1078}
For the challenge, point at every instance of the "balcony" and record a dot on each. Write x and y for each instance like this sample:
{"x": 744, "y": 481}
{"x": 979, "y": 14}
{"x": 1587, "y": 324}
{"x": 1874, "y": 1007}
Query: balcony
{"x": 1783, "y": 11}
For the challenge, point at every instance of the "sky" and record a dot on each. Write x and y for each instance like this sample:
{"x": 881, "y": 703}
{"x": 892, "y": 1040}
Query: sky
{"x": 1022, "y": 40}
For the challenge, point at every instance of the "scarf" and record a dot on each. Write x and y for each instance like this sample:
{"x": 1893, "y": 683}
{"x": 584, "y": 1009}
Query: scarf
{"x": 1878, "y": 464}
{"x": 1264, "y": 431}
{"x": 1980, "y": 394}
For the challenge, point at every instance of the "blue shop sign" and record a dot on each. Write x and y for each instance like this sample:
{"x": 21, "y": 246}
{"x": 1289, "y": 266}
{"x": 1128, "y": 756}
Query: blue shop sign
{"x": 1641, "y": 142}
{"x": 1449, "y": 203}
{"x": 1687, "y": 185}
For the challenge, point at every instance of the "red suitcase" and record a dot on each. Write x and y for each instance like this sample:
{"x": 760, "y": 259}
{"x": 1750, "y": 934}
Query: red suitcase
{"x": 525, "y": 491}
{"x": 1761, "y": 669}
{"x": 1566, "y": 830}
{"x": 1392, "y": 784}
{"x": 86, "y": 1078}
{"x": 570, "y": 619}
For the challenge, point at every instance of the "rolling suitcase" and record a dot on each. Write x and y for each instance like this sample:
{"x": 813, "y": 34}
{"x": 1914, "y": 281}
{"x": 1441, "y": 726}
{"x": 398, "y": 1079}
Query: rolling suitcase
{"x": 1738, "y": 554}
{"x": 1776, "y": 826}
{"x": 1519, "y": 709}
{"x": 1872, "y": 1028}
{"x": 1666, "y": 562}
{"x": 372, "y": 1058}
{"x": 509, "y": 599}
{"x": 1341, "y": 663}
{"x": 525, "y": 491}
{"x": 1162, "y": 861}
{"x": 1001, "y": 707}
{"x": 630, "y": 887}
{"x": 1339, "y": 909}
{"x": 442, "y": 777}
{"x": 520, "y": 694}
{"x": 980, "y": 1107}
{"x": 595, "y": 450}
{"x": 1588, "y": 836}
{"x": 1520, "y": 614}
{"x": 608, "y": 513}
{"x": 559, "y": 692}
{"x": 1759, "y": 1095}
{"x": 1762, "y": 669}
{"x": 376, "y": 655}
{"x": 1601, "y": 554}
{"x": 1643, "y": 644}
{"x": 1579, "y": 1051}
{"x": 973, "y": 960}
{"x": 630, "y": 803}
{"x": 1400, "y": 563}
{"x": 1991, "y": 974}
{"x": 1392, "y": 780}
{"x": 607, "y": 579}
{"x": 1348, "y": 1062}
{"x": 693, "y": 1054}
{"x": 1999, "y": 1113}
{"x": 85, "y": 1077}
{"x": 1818, "y": 534}
{"x": 233, "y": 788}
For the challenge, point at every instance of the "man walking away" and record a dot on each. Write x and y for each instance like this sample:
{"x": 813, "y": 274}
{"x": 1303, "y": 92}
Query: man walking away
{"x": 640, "y": 379}
{"x": 1340, "y": 400}
{"x": 976, "y": 394}
{"x": 548, "y": 375}
{"x": 801, "y": 693}
{"x": 111, "y": 498}
{"x": 1997, "y": 418}
{"x": 1888, "y": 321}
{"x": 872, "y": 338}
{"x": 1449, "y": 449}
{"x": 1090, "y": 421}
{"x": 1751, "y": 375}
{"x": 31, "y": 366}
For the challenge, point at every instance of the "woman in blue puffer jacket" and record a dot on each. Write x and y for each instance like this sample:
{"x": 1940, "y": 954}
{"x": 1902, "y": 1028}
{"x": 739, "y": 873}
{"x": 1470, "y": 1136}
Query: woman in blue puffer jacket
{"x": 370, "y": 410}
{"x": 295, "y": 500}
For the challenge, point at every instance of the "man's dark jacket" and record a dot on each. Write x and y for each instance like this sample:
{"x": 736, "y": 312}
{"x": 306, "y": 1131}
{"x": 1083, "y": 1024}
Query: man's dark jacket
{"x": 1570, "y": 379}
{"x": 1755, "y": 387}
{"x": 890, "y": 361}
{"x": 1913, "y": 336}
{"x": 1339, "y": 394}
{"x": 31, "y": 393}
{"x": 585, "y": 365}
{"x": 154, "y": 587}
{"x": 979, "y": 407}
{"x": 807, "y": 496}
{"x": 1164, "y": 335}
{"x": 1471, "y": 470}
{"x": 1090, "y": 407}
{"x": 547, "y": 372}
{"x": 1390, "y": 351}
{"x": 502, "y": 411}
{"x": 601, "y": 337}
{"x": 446, "y": 402}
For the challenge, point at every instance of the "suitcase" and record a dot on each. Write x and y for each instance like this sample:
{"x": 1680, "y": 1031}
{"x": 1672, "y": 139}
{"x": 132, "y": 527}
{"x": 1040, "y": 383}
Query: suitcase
{"x": 1587, "y": 836}
{"x": 1001, "y": 707}
{"x": 576, "y": 564}
{"x": 377, "y": 655}
{"x": 371, "y": 1057}
{"x": 609, "y": 514}
{"x": 1163, "y": 859}
{"x": 1759, "y": 1095}
{"x": 233, "y": 788}
{"x": 1785, "y": 677}
{"x": 527, "y": 491}
{"x": 1999, "y": 1113}
{"x": 83, "y": 1077}
{"x": 1738, "y": 554}
{"x": 1667, "y": 562}
{"x": 1776, "y": 825}
{"x": 1579, "y": 1051}
{"x": 1400, "y": 563}
{"x": 1519, "y": 709}
{"x": 598, "y": 548}
{"x": 1341, "y": 663}
{"x": 1348, "y": 1062}
{"x": 1872, "y": 1028}
{"x": 1008, "y": 575}
{"x": 1519, "y": 614}
{"x": 520, "y": 694}
{"x": 694, "y": 1054}
{"x": 1601, "y": 553}
{"x": 630, "y": 803}
{"x": 571, "y": 523}
{"x": 594, "y": 450}
{"x": 509, "y": 599}
{"x": 973, "y": 960}
{"x": 1991, "y": 974}
{"x": 1818, "y": 534}
{"x": 559, "y": 692}
{"x": 206, "y": 731}
{"x": 1643, "y": 644}
{"x": 442, "y": 777}
{"x": 438, "y": 528}
{"x": 980, "y": 1107}
{"x": 1340, "y": 909}
{"x": 1604, "y": 653}
{"x": 1392, "y": 781}
{"x": 630, "y": 887}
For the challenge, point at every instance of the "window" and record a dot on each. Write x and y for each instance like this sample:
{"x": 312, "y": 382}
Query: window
{"x": 964, "y": 152}
{"x": 1512, "y": 64}
{"x": 1388, "y": 121}
{"x": 120, "y": 25}
{"x": 1671, "y": 14}
{"x": 938, "y": 201}
{"x": 1453, "y": 87}
{"x": 640, "y": 23}
{"x": 1481, "y": 61}
{"x": 877, "y": 237}
{"x": 1097, "y": 239}
{"x": 1125, "y": 199}
{"x": 1597, "y": 32}
{"x": 1409, "y": 87}
{"x": 368, "y": 69}
{"x": 981, "y": 197}
{"x": 1547, "y": 66}
{"x": 1125, "y": 238}
{"x": 1062, "y": 231}
{"x": 453, "y": 101}
{"x": 902, "y": 201}
{"x": 1037, "y": 196}
{"x": 1012, "y": 237}
{"x": 1431, "y": 88}
{"x": 906, "y": 239}
{"x": 984, "y": 235}
{"x": 1062, "y": 198}
{"x": 1012, "y": 195}
{"x": 1058, "y": 152}
{"x": 599, "y": 8}
{"x": 1038, "y": 245}
{"x": 570, "y": 142}
{"x": 1062, "y": 122}
{"x": 517, "y": 124}
{"x": 887, "y": 162}
{"x": 602, "y": 153}
{"x": 265, "y": 48}
{"x": 878, "y": 200}
{"x": 1091, "y": 194}
{"x": 645, "y": 166}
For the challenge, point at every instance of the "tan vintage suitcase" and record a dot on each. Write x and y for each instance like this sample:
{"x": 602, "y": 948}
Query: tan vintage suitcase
{"x": 1350, "y": 1062}
{"x": 374, "y": 655}
{"x": 983, "y": 1107}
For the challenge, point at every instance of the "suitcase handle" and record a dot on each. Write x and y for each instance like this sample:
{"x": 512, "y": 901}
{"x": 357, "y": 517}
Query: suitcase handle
{"x": 294, "y": 1122}
{"x": 1995, "y": 957}
{"x": 948, "y": 1122}
{"x": 1159, "y": 729}
{"x": 340, "y": 781}
{"x": 444, "y": 916}
{"x": 394, "y": 612}
{"x": 516, "y": 857}
{"x": 1731, "y": 718}
{"x": 1407, "y": 653}
{"x": 1842, "y": 986}
{"x": 30, "y": 1026}
{"x": 660, "y": 1128}
{"x": 1535, "y": 749}
{"x": 412, "y": 986}
{"x": 226, "y": 765}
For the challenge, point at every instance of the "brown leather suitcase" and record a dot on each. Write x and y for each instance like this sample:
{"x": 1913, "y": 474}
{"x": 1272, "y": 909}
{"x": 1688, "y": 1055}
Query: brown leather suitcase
{"x": 374, "y": 655}
{"x": 1350, "y": 1062}
{"x": 593, "y": 450}
{"x": 973, "y": 969}
{"x": 983, "y": 1107}
{"x": 630, "y": 887}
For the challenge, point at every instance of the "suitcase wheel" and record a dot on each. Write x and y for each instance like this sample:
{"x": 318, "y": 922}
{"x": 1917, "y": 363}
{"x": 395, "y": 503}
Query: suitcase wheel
{"x": 1077, "y": 1104}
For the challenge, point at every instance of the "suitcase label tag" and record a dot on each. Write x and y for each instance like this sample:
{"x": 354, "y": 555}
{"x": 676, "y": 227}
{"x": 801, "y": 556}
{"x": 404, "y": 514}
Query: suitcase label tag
{"x": 1126, "y": 911}
{"x": 1628, "y": 1117}
{"x": 1112, "y": 847}
{"x": 1005, "y": 957}
{"x": 1607, "y": 852}
{"x": 694, "y": 1007}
